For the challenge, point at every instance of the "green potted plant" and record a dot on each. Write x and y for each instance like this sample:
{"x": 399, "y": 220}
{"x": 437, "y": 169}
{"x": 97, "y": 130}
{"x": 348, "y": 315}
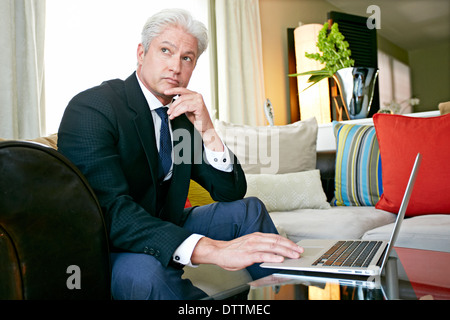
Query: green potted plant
{"x": 355, "y": 84}
{"x": 335, "y": 54}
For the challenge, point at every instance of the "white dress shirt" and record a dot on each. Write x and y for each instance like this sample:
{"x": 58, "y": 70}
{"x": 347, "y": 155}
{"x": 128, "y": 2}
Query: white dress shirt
{"x": 219, "y": 160}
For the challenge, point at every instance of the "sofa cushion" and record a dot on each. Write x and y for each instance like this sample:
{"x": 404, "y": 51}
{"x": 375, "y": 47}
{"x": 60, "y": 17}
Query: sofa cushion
{"x": 444, "y": 107}
{"x": 288, "y": 191}
{"x": 49, "y": 141}
{"x": 358, "y": 166}
{"x": 334, "y": 223}
{"x": 271, "y": 150}
{"x": 428, "y": 232}
{"x": 198, "y": 196}
{"x": 400, "y": 139}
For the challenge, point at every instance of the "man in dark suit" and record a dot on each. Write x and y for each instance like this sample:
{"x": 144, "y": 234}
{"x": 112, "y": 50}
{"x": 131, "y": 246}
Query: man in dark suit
{"x": 112, "y": 133}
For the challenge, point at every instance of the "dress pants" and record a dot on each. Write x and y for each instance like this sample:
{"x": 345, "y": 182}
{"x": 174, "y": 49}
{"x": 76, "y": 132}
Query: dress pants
{"x": 138, "y": 276}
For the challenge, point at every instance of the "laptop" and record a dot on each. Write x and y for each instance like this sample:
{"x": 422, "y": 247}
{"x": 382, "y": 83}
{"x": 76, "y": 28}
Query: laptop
{"x": 355, "y": 257}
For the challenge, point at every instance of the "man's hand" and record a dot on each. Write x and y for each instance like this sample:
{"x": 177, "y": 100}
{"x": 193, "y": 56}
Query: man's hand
{"x": 245, "y": 251}
{"x": 191, "y": 103}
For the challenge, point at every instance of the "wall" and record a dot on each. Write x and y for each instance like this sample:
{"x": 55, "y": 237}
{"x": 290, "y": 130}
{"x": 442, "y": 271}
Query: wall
{"x": 430, "y": 76}
{"x": 392, "y": 49}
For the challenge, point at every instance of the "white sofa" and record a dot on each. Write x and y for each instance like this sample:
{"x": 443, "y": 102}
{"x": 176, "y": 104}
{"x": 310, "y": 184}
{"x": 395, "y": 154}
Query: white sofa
{"x": 428, "y": 232}
{"x": 316, "y": 219}
{"x": 301, "y": 212}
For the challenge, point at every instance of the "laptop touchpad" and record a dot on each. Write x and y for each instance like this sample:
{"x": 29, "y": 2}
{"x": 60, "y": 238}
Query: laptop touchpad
{"x": 311, "y": 251}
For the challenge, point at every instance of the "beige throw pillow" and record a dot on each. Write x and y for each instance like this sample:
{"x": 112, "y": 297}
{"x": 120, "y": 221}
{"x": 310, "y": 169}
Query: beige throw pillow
{"x": 272, "y": 150}
{"x": 289, "y": 191}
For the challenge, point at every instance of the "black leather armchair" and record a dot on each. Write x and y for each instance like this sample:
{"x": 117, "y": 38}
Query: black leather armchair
{"x": 53, "y": 240}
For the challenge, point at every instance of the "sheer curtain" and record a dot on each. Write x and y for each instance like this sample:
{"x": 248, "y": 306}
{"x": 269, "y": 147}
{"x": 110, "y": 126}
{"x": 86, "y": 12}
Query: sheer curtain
{"x": 240, "y": 79}
{"x": 22, "y": 30}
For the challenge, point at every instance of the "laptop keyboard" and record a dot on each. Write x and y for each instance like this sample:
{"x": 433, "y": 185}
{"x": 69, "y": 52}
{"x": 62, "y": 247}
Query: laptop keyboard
{"x": 349, "y": 254}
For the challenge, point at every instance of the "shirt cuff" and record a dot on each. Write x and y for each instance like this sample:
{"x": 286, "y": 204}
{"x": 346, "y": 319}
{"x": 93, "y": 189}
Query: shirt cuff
{"x": 219, "y": 160}
{"x": 184, "y": 252}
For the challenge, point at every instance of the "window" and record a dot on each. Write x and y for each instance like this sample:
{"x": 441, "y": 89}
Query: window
{"x": 88, "y": 42}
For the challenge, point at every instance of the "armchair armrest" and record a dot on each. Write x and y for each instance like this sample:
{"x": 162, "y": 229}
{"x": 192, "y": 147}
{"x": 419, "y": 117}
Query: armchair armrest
{"x": 50, "y": 223}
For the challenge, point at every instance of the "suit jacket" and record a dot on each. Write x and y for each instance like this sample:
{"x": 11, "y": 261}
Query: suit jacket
{"x": 108, "y": 133}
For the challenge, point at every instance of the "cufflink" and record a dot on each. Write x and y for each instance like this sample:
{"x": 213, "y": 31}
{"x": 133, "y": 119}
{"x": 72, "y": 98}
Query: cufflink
{"x": 175, "y": 264}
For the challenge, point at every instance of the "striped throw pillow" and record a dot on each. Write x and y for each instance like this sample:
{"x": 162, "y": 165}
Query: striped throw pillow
{"x": 358, "y": 179}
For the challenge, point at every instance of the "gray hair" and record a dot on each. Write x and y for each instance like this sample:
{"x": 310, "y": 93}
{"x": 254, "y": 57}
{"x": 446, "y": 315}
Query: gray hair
{"x": 157, "y": 23}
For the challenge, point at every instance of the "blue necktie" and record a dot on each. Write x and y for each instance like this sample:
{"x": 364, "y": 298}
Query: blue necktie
{"x": 165, "y": 143}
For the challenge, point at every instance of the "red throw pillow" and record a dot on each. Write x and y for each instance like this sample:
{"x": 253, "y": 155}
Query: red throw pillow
{"x": 400, "y": 138}
{"x": 187, "y": 204}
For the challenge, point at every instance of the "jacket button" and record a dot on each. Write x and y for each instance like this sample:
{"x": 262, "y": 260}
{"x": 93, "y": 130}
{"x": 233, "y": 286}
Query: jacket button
{"x": 151, "y": 251}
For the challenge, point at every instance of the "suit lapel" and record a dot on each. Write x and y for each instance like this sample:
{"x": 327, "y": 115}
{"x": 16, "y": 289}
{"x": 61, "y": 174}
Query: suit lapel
{"x": 143, "y": 122}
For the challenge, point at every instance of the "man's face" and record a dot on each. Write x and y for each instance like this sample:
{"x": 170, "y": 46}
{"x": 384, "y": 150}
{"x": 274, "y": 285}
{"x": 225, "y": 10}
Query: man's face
{"x": 169, "y": 62}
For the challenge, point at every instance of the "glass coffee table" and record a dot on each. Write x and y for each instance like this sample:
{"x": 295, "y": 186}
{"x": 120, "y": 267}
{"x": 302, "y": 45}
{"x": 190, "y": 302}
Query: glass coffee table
{"x": 409, "y": 274}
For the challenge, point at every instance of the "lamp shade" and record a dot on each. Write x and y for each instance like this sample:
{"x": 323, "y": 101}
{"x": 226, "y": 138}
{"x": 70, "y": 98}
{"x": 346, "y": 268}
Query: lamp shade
{"x": 314, "y": 101}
